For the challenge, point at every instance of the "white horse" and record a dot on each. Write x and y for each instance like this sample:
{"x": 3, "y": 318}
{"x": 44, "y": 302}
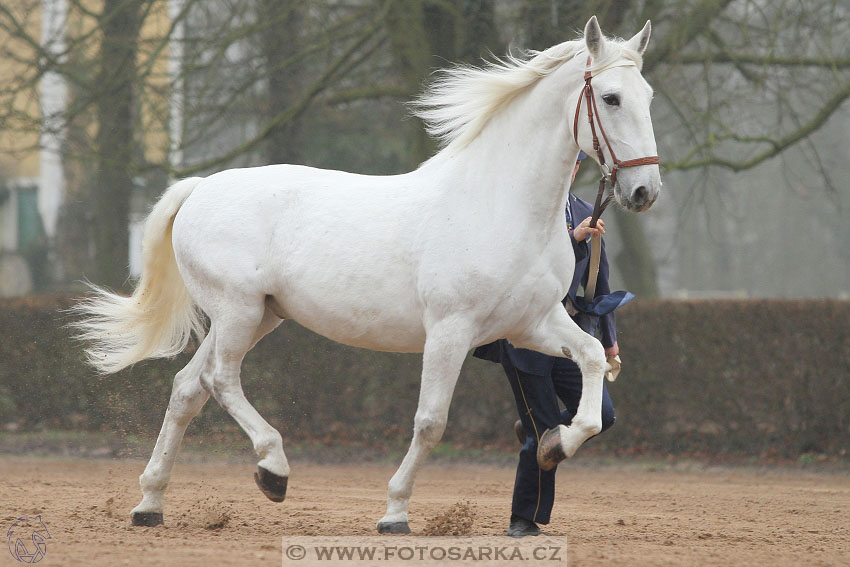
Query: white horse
{"x": 469, "y": 248}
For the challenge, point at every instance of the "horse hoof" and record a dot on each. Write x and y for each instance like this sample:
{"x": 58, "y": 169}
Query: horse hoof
{"x": 272, "y": 485}
{"x": 550, "y": 452}
{"x": 393, "y": 528}
{"x": 148, "y": 519}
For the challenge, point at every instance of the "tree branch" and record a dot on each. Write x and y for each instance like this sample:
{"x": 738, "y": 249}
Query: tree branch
{"x": 700, "y": 18}
{"x": 296, "y": 109}
{"x": 752, "y": 59}
{"x": 362, "y": 93}
{"x": 777, "y": 146}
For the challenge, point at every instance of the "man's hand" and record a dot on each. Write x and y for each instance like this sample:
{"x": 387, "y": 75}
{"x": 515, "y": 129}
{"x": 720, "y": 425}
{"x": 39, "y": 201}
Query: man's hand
{"x": 583, "y": 229}
{"x": 612, "y": 350}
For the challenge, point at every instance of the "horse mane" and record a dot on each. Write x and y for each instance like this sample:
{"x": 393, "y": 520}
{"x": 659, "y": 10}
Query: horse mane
{"x": 461, "y": 99}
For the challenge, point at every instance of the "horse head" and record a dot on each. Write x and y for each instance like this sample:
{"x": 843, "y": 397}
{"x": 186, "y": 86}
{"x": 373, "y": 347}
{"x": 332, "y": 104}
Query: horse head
{"x": 612, "y": 123}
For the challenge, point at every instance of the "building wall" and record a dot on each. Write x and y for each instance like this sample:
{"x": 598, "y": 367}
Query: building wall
{"x": 35, "y": 159}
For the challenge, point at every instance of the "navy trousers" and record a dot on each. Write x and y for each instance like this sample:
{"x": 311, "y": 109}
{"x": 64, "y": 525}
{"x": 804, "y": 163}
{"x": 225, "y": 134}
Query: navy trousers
{"x": 534, "y": 489}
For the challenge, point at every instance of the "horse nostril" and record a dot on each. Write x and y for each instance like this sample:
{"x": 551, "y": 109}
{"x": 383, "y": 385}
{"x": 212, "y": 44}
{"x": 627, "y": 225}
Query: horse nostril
{"x": 639, "y": 195}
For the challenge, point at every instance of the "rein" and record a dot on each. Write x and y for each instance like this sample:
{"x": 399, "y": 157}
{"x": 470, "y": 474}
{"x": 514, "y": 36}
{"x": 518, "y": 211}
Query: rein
{"x": 593, "y": 118}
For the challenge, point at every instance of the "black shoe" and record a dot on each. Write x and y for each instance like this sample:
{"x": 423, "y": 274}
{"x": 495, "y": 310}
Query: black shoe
{"x": 520, "y": 432}
{"x": 520, "y": 527}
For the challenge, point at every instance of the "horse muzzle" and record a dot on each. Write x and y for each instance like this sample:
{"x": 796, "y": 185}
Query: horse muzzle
{"x": 639, "y": 196}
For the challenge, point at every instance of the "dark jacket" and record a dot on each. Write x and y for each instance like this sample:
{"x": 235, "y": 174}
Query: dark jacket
{"x": 603, "y": 306}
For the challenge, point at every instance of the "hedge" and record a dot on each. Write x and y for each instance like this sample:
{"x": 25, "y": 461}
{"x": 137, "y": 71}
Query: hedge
{"x": 760, "y": 377}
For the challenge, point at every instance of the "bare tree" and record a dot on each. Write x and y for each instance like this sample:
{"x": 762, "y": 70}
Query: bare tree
{"x": 120, "y": 22}
{"x": 738, "y": 83}
{"x": 286, "y": 74}
{"x": 249, "y": 62}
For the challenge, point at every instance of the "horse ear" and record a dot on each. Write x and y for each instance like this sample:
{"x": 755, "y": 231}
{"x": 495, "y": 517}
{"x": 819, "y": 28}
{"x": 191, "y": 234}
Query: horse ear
{"x": 641, "y": 39}
{"x": 593, "y": 37}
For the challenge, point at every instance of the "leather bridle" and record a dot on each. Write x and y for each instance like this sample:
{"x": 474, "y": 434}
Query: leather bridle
{"x": 593, "y": 119}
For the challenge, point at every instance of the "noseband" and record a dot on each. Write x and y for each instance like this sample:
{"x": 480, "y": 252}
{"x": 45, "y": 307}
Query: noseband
{"x": 593, "y": 119}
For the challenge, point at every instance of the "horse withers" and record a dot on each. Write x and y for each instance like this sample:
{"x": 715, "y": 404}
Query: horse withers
{"x": 469, "y": 248}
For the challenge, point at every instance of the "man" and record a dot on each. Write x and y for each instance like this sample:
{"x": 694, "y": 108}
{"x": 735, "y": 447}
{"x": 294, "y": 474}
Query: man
{"x": 538, "y": 380}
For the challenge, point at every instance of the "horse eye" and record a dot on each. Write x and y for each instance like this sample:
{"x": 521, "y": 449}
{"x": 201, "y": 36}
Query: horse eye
{"x": 611, "y": 99}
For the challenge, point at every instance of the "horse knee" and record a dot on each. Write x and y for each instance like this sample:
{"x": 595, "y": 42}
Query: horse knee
{"x": 428, "y": 429}
{"x": 591, "y": 357}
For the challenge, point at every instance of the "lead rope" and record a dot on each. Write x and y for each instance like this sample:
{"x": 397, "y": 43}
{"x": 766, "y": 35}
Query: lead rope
{"x": 599, "y": 207}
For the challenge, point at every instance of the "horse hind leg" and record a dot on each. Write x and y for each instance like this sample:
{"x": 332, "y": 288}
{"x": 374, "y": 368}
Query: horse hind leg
{"x": 187, "y": 399}
{"x": 272, "y": 485}
{"x": 234, "y": 336}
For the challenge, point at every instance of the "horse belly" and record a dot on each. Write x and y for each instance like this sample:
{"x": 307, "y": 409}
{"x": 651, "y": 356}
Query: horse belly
{"x": 349, "y": 277}
{"x": 356, "y": 316}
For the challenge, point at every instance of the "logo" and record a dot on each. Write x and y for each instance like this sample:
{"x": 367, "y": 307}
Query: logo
{"x": 27, "y": 539}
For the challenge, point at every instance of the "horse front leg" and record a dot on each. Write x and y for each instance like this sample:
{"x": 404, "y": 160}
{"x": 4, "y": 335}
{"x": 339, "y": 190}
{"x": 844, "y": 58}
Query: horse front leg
{"x": 559, "y": 335}
{"x": 445, "y": 349}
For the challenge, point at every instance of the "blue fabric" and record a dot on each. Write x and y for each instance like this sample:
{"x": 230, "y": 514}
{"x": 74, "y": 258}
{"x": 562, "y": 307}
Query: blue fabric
{"x": 604, "y": 304}
{"x": 537, "y": 405}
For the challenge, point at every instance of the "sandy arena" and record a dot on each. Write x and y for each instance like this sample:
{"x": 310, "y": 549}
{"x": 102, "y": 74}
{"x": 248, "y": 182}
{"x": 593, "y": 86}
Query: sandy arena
{"x": 624, "y": 515}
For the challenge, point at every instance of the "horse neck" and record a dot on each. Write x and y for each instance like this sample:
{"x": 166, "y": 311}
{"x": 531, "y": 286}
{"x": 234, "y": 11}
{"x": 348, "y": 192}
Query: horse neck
{"x": 523, "y": 159}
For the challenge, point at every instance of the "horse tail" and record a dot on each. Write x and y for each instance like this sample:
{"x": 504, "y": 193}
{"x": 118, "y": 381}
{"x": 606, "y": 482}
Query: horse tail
{"x": 159, "y": 318}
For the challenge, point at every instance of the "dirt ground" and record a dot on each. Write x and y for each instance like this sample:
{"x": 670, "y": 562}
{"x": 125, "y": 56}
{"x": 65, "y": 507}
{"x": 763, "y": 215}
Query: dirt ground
{"x": 626, "y": 514}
